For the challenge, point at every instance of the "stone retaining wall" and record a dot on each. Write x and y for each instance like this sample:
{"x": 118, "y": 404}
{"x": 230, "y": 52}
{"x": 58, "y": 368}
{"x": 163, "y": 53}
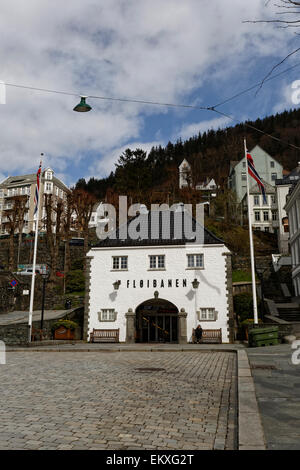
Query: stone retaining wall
{"x": 17, "y": 333}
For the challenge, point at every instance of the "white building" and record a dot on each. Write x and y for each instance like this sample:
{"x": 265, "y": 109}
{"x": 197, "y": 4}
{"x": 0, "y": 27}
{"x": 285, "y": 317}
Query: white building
{"x": 208, "y": 186}
{"x": 25, "y": 185}
{"x": 185, "y": 175}
{"x": 283, "y": 187}
{"x": 263, "y": 213}
{"x": 266, "y": 166}
{"x": 159, "y": 289}
{"x": 292, "y": 208}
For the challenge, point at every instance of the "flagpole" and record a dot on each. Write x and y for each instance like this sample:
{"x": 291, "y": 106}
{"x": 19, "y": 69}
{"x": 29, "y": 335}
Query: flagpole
{"x": 251, "y": 244}
{"x": 34, "y": 259}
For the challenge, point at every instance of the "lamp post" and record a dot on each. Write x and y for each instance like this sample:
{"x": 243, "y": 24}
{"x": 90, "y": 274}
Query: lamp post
{"x": 195, "y": 284}
{"x": 45, "y": 276}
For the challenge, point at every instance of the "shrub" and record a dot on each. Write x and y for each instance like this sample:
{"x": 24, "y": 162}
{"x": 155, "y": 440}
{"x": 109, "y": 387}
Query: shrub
{"x": 243, "y": 305}
{"x": 75, "y": 281}
{"x": 70, "y": 325}
{"x": 77, "y": 264}
{"x": 249, "y": 321}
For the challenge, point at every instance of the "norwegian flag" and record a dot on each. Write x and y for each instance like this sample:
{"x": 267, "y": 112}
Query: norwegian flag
{"x": 37, "y": 189}
{"x": 252, "y": 172}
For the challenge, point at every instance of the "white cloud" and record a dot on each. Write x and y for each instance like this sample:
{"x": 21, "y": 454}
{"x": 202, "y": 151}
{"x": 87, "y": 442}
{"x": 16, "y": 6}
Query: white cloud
{"x": 189, "y": 130}
{"x": 150, "y": 49}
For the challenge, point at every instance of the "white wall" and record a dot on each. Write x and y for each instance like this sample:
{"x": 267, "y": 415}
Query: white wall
{"x": 283, "y": 237}
{"x": 211, "y": 292}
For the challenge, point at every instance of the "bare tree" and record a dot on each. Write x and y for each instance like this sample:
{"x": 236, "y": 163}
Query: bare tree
{"x": 83, "y": 204}
{"x": 288, "y": 17}
{"x": 66, "y": 227}
{"x": 54, "y": 208}
{"x": 15, "y": 222}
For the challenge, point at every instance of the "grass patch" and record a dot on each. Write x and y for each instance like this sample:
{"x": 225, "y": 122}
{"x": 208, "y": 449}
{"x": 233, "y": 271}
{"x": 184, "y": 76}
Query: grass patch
{"x": 76, "y": 294}
{"x": 241, "y": 276}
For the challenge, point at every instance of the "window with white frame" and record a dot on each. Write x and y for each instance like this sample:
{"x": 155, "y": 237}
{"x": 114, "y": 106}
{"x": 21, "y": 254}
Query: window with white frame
{"x": 120, "y": 262}
{"x": 107, "y": 314}
{"x": 256, "y": 200}
{"x": 207, "y": 314}
{"x": 257, "y": 216}
{"x": 244, "y": 177}
{"x": 272, "y": 164}
{"x": 195, "y": 261}
{"x": 157, "y": 261}
{"x": 266, "y": 216}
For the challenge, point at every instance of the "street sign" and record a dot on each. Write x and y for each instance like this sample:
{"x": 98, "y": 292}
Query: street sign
{"x": 13, "y": 283}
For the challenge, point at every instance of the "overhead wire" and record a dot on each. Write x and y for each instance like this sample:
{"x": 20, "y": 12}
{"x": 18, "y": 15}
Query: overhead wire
{"x": 173, "y": 105}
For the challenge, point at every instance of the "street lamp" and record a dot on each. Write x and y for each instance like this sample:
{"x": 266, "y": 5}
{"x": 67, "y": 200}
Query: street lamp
{"x": 82, "y": 107}
{"x": 195, "y": 284}
{"x": 116, "y": 285}
{"x": 45, "y": 276}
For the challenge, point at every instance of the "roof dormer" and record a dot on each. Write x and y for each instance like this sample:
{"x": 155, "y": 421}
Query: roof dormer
{"x": 48, "y": 174}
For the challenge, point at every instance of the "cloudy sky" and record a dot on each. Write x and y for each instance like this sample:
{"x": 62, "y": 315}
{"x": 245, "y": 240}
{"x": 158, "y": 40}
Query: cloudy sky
{"x": 196, "y": 52}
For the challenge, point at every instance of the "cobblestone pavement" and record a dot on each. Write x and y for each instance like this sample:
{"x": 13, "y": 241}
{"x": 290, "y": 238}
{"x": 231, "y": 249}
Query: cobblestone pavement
{"x": 115, "y": 401}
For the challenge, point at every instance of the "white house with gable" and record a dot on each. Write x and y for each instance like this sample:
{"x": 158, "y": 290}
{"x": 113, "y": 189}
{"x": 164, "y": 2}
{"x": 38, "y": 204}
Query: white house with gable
{"x": 158, "y": 287}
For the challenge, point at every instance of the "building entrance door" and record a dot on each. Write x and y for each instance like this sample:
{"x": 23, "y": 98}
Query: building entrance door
{"x": 157, "y": 322}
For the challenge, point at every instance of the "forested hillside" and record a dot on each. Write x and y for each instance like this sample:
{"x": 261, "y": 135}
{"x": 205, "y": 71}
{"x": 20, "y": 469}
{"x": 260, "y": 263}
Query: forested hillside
{"x": 137, "y": 173}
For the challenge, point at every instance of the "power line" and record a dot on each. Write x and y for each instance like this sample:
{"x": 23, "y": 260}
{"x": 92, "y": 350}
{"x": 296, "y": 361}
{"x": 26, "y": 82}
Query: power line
{"x": 109, "y": 98}
{"x": 255, "y": 86}
{"x": 156, "y": 103}
{"x": 255, "y": 129}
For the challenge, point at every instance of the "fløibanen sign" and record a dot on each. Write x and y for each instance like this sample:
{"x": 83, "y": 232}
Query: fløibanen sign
{"x": 156, "y": 283}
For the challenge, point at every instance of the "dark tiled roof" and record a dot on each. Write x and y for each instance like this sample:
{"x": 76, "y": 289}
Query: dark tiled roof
{"x": 156, "y": 223}
{"x": 292, "y": 178}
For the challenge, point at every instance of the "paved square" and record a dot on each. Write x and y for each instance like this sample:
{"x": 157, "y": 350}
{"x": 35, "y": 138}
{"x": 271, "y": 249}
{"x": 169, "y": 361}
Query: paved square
{"x": 118, "y": 400}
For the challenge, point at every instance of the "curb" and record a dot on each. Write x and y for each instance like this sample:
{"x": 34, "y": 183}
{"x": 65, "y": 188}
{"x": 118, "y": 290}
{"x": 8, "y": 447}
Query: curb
{"x": 119, "y": 349}
{"x": 250, "y": 430}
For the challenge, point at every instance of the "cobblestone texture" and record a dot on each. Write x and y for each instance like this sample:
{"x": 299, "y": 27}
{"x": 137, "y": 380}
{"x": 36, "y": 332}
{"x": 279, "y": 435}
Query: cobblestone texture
{"x": 103, "y": 401}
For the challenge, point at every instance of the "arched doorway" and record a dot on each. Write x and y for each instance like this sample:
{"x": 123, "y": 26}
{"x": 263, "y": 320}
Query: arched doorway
{"x": 156, "y": 322}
